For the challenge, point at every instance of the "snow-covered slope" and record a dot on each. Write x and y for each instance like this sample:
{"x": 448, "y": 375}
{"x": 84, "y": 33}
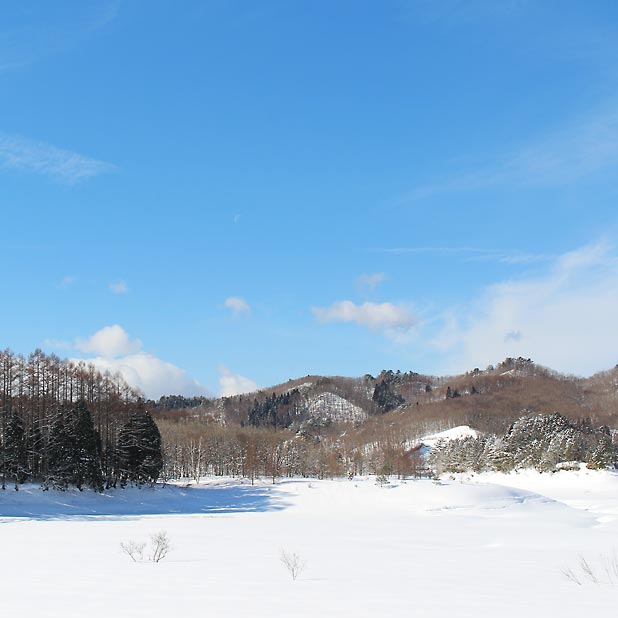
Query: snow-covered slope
{"x": 334, "y": 407}
{"x": 462, "y": 431}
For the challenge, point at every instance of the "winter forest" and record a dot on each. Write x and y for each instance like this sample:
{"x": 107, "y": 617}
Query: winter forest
{"x": 65, "y": 424}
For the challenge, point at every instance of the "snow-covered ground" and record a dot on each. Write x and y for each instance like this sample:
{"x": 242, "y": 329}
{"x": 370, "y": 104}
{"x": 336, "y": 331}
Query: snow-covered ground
{"x": 492, "y": 545}
{"x": 334, "y": 407}
{"x": 456, "y": 433}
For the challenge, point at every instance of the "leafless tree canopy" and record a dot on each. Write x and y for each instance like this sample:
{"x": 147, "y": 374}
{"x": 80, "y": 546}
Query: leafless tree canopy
{"x": 38, "y": 395}
{"x": 160, "y": 547}
{"x": 134, "y": 550}
{"x": 293, "y": 563}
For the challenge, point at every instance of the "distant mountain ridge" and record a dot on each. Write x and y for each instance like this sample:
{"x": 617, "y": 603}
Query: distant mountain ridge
{"x": 488, "y": 399}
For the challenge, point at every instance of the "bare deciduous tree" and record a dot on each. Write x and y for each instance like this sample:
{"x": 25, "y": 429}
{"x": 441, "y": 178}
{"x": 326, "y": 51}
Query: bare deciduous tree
{"x": 292, "y": 562}
{"x": 134, "y": 550}
{"x": 160, "y": 546}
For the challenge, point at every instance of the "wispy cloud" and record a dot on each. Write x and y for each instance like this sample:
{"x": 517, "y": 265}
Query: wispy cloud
{"x": 564, "y": 318}
{"x": 50, "y": 29}
{"x": 119, "y": 287}
{"x": 237, "y": 305}
{"x": 67, "y": 281}
{"x": 474, "y": 254}
{"x": 38, "y": 157}
{"x": 583, "y": 149}
{"x": 369, "y": 282}
{"x": 513, "y": 335}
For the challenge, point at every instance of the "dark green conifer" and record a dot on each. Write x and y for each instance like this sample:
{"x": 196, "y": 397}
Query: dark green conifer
{"x": 15, "y": 455}
{"x": 139, "y": 456}
{"x": 87, "y": 452}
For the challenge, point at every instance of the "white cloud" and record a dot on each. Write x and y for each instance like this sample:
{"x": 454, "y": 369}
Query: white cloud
{"x": 564, "y": 319}
{"x": 386, "y": 317}
{"x": 153, "y": 376}
{"x": 119, "y": 287}
{"x": 368, "y": 282}
{"x": 109, "y": 342}
{"x": 231, "y": 384}
{"x": 237, "y": 305}
{"x": 62, "y": 165}
{"x": 115, "y": 351}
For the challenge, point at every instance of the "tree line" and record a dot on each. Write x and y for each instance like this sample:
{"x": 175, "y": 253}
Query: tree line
{"x": 194, "y": 448}
{"x": 544, "y": 442}
{"x": 66, "y": 424}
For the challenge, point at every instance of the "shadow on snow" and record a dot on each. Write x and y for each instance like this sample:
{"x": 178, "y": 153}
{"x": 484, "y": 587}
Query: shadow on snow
{"x": 30, "y": 502}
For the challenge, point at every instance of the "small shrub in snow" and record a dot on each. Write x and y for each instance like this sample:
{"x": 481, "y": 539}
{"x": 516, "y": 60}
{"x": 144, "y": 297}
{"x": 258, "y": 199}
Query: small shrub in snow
{"x": 292, "y": 562}
{"x": 160, "y": 546}
{"x": 134, "y": 550}
{"x": 604, "y": 574}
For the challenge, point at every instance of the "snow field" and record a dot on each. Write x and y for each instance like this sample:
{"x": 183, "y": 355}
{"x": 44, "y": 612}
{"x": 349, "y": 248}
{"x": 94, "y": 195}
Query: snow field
{"x": 492, "y": 545}
{"x": 461, "y": 431}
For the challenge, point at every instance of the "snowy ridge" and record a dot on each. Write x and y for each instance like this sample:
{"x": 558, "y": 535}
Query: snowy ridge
{"x": 336, "y": 408}
{"x": 462, "y": 431}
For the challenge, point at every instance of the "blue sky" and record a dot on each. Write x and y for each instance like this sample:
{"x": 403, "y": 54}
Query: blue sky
{"x": 213, "y": 195}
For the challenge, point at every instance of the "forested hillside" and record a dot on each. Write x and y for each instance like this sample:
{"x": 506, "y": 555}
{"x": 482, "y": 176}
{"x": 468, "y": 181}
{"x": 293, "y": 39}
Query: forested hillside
{"x": 64, "y": 423}
{"x": 336, "y": 426}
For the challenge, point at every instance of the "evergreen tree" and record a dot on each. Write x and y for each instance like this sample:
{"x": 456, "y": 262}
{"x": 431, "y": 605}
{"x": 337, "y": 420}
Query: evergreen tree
{"x": 139, "y": 457}
{"x": 276, "y": 410}
{"x": 542, "y": 442}
{"x": 74, "y": 450}
{"x": 87, "y": 449}
{"x": 603, "y": 453}
{"x": 15, "y": 454}
{"x": 385, "y": 397}
{"x": 60, "y": 452}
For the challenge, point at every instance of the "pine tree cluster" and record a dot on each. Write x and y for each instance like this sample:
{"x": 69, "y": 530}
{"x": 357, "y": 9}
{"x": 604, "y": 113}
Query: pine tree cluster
{"x": 385, "y": 395}
{"x": 541, "y": 442}
{"x": 276, "y": 410}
